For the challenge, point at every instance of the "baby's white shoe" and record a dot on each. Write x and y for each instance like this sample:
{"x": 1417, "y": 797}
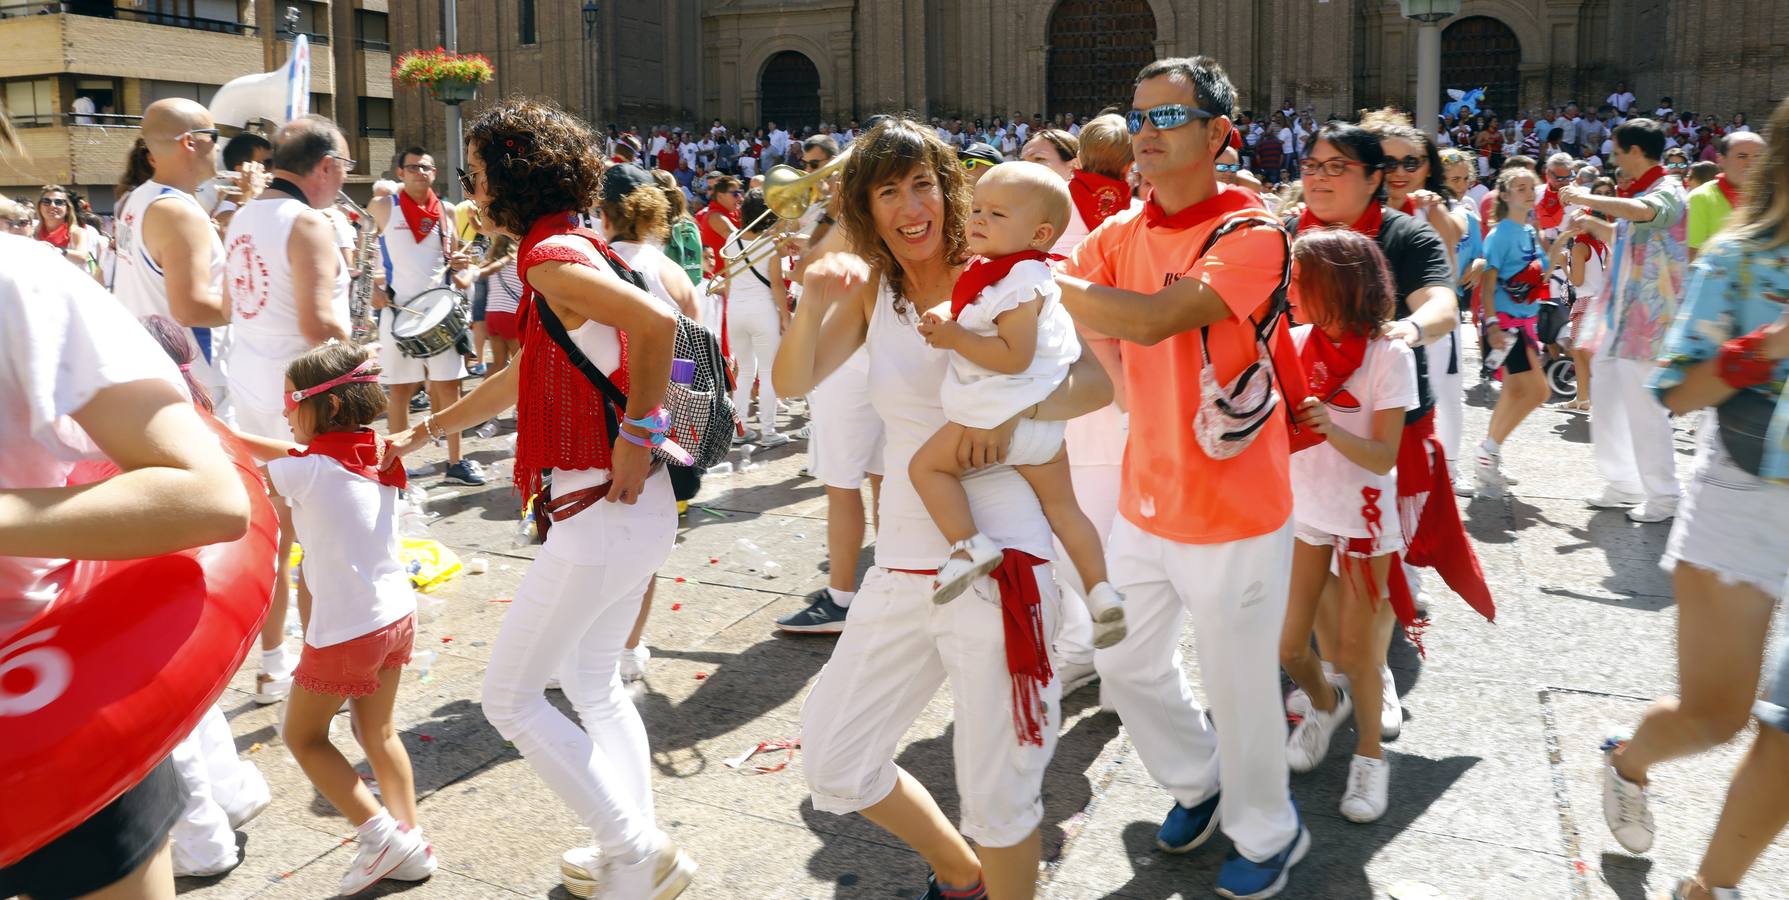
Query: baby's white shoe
{"x": 1106, "y": 606}
{"x": 956, "y": 573}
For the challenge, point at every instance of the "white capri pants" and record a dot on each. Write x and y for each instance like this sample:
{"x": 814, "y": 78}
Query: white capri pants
{"x": 753, "y": 334}
{"x": 570, "y": 617}
{"x": 221, "y": 789}
{"x": 844, "y": 432}
{"x": 889, "y": 664}
{"x": 1236, "y": 595}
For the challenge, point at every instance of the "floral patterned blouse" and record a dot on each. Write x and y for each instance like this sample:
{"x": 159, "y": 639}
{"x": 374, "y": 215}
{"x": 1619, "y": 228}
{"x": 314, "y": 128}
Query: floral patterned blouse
{"x": 1650, "y": 262}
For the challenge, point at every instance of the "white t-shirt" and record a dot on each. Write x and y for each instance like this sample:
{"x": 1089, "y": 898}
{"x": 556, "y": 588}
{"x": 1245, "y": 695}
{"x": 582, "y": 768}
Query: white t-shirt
{"x": 62, "y": 340}
{"x": 1621, "y": 100}
{"x": 348, "y": 526}
{"x": 982, "y": 398}
{"x": 1326, "y": 487}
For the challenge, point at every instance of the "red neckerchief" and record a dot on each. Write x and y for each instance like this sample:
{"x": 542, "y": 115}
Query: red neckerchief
{"x": 1227, "y": 199}
{"x": 1097, "y": 197}
{"x": 1597, "y": 247}
{"x": 1328, "y": 364}
{"x": 1408, "y": 207}
{"x": 1368, "y": 223}
{"x": 1027, "y": 653}
{"x": 1728, "y": 190}
{"x": 982, "y": 273}
{"x": 560, "y": 420}
{"x": 57, "y": 238}
{"x": 361, "y": 452}
{"x": 1549, "y": 212}
{"x": 420, "y": 216}
{"x": 1643, "y": 182}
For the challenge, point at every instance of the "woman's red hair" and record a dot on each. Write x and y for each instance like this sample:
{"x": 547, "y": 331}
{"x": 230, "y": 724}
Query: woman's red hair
{"x": 1342, "y": 278}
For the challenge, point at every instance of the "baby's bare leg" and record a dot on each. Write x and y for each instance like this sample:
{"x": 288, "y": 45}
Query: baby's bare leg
{"x": 1050, "y": 482}
{"x": 938, "y": 480}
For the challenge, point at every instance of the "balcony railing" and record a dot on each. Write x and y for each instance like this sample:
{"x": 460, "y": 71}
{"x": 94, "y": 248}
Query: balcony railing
{"x": 197, "y": 23}
{"x": 317, "y": 40}
{"x": 93, "y": 120}
{"x": 368, "y": 131}
{"x": 373, "y": 45}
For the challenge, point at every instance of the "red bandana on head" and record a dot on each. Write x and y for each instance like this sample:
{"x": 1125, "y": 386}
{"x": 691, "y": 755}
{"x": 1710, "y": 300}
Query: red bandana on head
{"x": 1727, "y": 189}
{"x": 1368, "y": 223}
{"x": 420, "y": 216}
{"x": 982, "y": 272}
{"x": 1643, "y": 182}
{"x": 361, "y": 452}
{"x": 1097, "y": 197}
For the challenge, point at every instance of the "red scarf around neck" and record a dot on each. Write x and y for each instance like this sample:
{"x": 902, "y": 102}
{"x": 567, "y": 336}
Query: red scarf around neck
{"x": 1097, "y": 197}
{"x": 1408, "y": 207}
{"x": 1329, "y": 364}
{"x": 1368, "y": 223}
{"x": 361, "y": 452}
{"x": 420, "y": 216}
{"x": 1225, "y": 200}
{"x": 1728, "y": 190}
{"x": 1643, "y": 182}
{"x": 57, "y": 238}
{"x": 983, "y": 273}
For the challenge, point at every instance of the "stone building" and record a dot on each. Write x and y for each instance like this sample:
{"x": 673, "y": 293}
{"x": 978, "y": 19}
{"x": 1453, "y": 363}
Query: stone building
{"x": 643, "y": 62}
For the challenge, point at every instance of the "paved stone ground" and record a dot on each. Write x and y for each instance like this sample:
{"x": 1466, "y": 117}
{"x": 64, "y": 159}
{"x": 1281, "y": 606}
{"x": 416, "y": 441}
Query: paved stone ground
{"x": 1495, "y": 782}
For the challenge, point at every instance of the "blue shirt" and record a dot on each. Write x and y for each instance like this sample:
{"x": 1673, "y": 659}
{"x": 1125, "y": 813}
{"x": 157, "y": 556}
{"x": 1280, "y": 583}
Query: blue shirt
{"x": 1470, "y": 247}
{"x": 1509, "y": 248}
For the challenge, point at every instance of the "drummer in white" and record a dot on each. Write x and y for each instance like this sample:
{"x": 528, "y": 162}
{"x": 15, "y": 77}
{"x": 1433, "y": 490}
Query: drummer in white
{"x": 283, "y": 275}
{"x": 421, "y": 254}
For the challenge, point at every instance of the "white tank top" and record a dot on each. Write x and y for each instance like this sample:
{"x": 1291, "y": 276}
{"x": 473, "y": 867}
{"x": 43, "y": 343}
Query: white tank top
{"x": 905, "y": 378}
{"x": 746, "y": 288}
{"x": 416, "y": 265}
{"x": 649, "y": 262}
{"x": 139, "y": 284}
{"x": 265, "y": 333}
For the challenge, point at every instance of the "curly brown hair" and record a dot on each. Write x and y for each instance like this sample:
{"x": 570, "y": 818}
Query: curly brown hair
{"x": 539, "y": 161}
{"x": 888, "y": 152}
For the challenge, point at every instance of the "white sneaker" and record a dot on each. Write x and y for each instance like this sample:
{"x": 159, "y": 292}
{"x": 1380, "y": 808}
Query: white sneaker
{"x": 1613, "y": 497}
{"x": 662, "y": 875}
{"x": 1075, "y": 676}
{"x": 956, "y": 574}
{"x": 1309, "y": 742}
{"x": 1625, "y": 805}
{"x": 1106, "y": 606}
{"x": 1299, "y": 703}
{"x": 578, "y": 870}
{"x": 1369, "y": 783}
{"x": 1488, "y": 471}
{"x": 270, "y": 690}
{"x": 1464, "y": 484}
{"x": 1391, "y": 709}
{"x": 379, "y": 858}
{"x": 772, "y": 439}
{"x": 1654, "y": 511}
{"x": 633, "y": 663}
{"x": 1682, "y": 891}
{"x": 418, "y": 866}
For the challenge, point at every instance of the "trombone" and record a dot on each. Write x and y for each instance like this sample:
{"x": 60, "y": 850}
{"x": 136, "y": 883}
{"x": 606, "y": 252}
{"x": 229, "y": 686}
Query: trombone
{"x": 789, "y": 193}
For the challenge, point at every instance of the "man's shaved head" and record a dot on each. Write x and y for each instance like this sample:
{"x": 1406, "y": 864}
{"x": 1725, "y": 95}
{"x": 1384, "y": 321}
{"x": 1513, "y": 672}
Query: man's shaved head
{"x": 166, "y": 120}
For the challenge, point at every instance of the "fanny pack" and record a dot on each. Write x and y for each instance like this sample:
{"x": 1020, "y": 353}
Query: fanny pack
{"x": 1232, "y": 414}
{"x": 1744, "y": 418}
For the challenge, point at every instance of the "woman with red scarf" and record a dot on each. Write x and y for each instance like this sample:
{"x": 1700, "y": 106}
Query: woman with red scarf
{"x": 1343, "y": 180}
{"x": 531, "y": 168}
{"x": 58, "y": 227}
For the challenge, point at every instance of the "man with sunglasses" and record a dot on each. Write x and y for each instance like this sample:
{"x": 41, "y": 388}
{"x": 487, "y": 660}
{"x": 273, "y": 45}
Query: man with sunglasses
{"x": 1549, "y": 211}
{"x": 977, "y": 159}
{"x": 1196, "y": 535}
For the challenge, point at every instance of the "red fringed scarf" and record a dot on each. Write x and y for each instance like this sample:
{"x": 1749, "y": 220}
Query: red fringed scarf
{"x": 1728, "y": 190}
{"x": 559, "y": 413}
{"x": 1434, "y": 536}
{"x": 1645, "y": 181}
{"x": 983, "y": 273}
{"x": 361, "y": 452}
{"x": 57, "y": 238}
{"x": 1027, "y": 652}
{"x": 1097, "y": 197}
{"x": 420, "y": 217}
{"x": 1368, "y": 223}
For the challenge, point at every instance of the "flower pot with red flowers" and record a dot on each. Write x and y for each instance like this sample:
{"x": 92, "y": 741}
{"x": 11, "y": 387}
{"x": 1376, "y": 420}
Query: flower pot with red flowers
{"x": 452, "y": 77}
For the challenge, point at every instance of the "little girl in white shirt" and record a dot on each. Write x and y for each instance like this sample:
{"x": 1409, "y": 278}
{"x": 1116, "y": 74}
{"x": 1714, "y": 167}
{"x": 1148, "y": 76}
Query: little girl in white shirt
{"x": 362, "y": 621}
{"x": 1011, "y": 345}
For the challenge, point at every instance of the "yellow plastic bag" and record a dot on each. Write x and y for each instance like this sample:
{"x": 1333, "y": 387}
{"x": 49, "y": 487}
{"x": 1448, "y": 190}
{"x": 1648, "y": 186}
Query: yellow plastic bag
{"x": 430, "y": 563}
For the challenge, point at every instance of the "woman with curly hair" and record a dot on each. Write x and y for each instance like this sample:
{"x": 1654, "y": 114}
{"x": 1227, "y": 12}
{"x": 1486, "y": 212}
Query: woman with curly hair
{"x": 531, "y": 168}
{"x": 903, "y": 205}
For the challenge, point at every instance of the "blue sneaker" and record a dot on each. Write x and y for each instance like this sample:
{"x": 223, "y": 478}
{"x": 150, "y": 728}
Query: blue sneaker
{"x": 1244, "y": 879}
{"x": 822, "y": 616}
{"x": 1186, "y": 828}
{"x": 465, "y": 472}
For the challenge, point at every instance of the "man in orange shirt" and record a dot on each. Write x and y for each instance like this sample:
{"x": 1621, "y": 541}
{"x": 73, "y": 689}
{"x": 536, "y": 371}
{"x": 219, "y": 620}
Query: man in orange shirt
{"x": 1199, "y": 536}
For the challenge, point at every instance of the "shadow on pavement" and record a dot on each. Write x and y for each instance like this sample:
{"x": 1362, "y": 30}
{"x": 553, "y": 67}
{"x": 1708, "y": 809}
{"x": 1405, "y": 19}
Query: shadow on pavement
{"x": 1626, "y": 875}
{"x": 740, "y": 689}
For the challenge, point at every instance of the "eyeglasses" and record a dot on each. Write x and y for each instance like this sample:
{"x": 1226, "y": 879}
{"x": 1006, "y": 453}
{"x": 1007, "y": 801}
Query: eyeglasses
{"x": 970, "y": 162}
{"x": 466, "y": 183}
{"x": 1229, "y": 167}
{"x": 1165, "y": 117}
{"x": 1407, "y": 163}
{"x": 347, "y": 163}
{"x": 419, "y": 168}
{"x": 1332, "y": 167}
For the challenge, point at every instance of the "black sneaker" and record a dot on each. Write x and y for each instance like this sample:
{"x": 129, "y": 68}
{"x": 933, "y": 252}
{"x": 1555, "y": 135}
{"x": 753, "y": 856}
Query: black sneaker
{"x": 821, "y": 617}
{"x": 419, "y": 401}
{"x": 936, "y": 891}
{"x": 465, "y": 472}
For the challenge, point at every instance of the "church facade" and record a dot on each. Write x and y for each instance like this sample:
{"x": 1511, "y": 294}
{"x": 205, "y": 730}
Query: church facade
{"x": 799, "y": 62}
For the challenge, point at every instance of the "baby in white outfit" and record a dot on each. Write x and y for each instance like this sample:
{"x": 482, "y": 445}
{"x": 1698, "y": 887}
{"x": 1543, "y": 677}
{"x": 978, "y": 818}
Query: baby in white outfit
{"x": 1011, "y": 345}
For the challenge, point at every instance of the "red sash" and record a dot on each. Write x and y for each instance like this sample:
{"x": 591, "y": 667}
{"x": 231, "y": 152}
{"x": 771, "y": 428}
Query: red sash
{"x": 420, "y": 217}
{"x": 361, "y": 452}
{"x": 1097, "y": 197}
{"x": 982, "y": 273}
{"x": 1027, "y": 652}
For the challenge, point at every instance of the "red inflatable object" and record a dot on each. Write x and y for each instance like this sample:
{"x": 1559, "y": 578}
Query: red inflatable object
{"x": 95, "y": 692}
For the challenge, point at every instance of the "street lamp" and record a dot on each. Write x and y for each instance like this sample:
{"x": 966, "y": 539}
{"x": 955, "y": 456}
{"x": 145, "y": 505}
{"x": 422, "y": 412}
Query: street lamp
{"x": 1428, "y": 14}
{"x": 591, "y": 11}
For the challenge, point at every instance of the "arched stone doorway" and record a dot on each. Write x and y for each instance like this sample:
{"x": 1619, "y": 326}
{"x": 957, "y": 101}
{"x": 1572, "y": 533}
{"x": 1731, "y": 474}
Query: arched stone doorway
{"x": 1479, "y": 51}
{"x": 1096, "y": 48}
{"x": 789, "y": 91}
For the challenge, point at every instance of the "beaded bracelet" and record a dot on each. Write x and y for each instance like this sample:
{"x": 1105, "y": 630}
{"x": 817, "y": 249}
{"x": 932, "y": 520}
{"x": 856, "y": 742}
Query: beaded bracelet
{"x": 1741, "y": 362}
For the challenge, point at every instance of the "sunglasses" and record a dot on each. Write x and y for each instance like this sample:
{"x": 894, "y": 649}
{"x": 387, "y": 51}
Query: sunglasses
{"x": 1407, "y": 163}
{"x": 1332, "y": 167}
{"x": 465, "y": 181}
{"x": 211, "y": 134}
{"x": 1229, "y": 167}
{"x": 812, "y": 164}
{"x": 1165, "y": 117}
{"x": 970, "y": 162}
{"x": 57, "y": 202}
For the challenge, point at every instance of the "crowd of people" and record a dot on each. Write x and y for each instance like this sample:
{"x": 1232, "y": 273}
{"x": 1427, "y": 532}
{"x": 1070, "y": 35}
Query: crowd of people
{"x": 1102, "y": 376}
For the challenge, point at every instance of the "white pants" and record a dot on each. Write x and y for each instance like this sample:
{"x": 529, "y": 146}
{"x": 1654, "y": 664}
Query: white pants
{"x": 396, "y": 368}
{"x": 889, "y": 664}
{"x": 219, "y": 788}
{"x": 1449, "y": 394}
{"x": 753, "y": 334}
{"x": 1630, "y": 430}
{"x": 1236, "y": 595}
{"x": 570, "y": 617}
{"x": 844, "y": 432}
{"x": 1096, "y": 490}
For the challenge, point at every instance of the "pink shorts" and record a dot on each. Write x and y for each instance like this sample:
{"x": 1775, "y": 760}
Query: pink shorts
{"x": 351, "y": 668}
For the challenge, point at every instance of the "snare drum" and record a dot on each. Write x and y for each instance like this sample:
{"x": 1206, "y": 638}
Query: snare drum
{"x": 431, "y": 323}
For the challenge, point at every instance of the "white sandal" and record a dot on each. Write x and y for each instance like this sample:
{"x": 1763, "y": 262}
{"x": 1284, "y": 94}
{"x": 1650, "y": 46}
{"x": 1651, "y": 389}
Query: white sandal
{"x": 956, "y": 574}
